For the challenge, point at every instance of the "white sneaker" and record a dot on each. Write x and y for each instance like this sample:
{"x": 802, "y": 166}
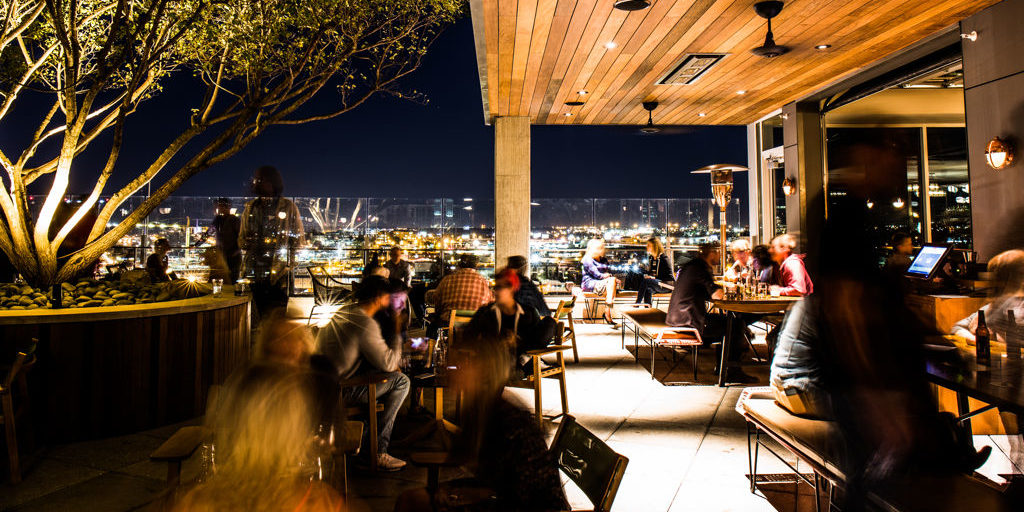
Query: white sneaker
{"x": 386, "y": 462}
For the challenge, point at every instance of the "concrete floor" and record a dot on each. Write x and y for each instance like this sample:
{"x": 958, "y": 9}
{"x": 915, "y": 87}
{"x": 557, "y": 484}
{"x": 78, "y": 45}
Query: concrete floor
{"x": 686, "y": 446}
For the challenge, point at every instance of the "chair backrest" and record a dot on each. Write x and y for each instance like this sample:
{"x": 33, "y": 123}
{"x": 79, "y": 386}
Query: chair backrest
{"x": 457, "y": 318}
{"x": 590, "y": 463}
{"x": 23, "y": 361}
{"x": 318, "y": 275}
{"x": 564, "y": 308}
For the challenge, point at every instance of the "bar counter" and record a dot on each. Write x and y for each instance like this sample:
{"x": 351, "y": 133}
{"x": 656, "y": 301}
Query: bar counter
{"x": 106, "y": 371}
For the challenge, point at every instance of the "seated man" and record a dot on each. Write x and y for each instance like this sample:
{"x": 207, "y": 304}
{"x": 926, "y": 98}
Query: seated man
{"x": 463, "y": 289}
{"x": 508, "y": 320}
{"x": 528, "y": 295}
{"x": 156, "y": 263}
{"x": 742, "y": 264}
{"x": 688, "y": 307}
{"x": 792, "y": 275}
{"x": 796, "y": 366}
{"x": 353, "y": 341}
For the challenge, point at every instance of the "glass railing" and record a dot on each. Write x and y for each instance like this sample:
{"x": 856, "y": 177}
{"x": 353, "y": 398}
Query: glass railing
{"x": 346, "y": 234}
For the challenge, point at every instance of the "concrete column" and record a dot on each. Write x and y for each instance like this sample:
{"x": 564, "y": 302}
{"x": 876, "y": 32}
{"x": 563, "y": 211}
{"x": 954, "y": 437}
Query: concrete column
{"x": 804, "y": 153}
{"x": 511, "y": 188}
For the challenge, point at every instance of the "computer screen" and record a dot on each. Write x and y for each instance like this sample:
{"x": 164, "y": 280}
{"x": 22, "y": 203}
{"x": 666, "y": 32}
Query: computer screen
{"x": 927, "y": 261}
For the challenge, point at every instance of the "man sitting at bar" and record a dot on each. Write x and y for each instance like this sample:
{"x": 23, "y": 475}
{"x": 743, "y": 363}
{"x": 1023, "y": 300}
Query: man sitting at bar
{"x": 507, "y": 319}
{"x": 688, "y": 307}
{"x": 463, "y": 289}
{"x": 353, "y": 341}
{"x": 792, "y": 275}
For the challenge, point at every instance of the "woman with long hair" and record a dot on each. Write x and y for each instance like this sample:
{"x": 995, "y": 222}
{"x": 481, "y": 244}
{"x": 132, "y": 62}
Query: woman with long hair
{"x": 596, "y": 278}
{"x": 265, "y": 450}
{"x": 659, "y": 271}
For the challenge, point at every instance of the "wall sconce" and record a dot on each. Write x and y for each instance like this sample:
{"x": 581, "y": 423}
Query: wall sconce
{"x": 788, "y": 186}
{"x": 998, "y": 154}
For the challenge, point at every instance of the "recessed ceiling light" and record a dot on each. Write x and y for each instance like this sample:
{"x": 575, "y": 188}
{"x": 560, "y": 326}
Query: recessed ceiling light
{"x": 582, "y": 92}
{"x": 567, "y": 114}
{"x": 611, "y": 45}
{"x": 823, "y": 47}
{"x": 702, "y": 114}
{"x": 741, "y": 91}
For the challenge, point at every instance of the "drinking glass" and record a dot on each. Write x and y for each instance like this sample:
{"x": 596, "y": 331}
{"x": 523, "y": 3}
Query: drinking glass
{"x": 762, "y": 290}
{"x": 218, "y": 285}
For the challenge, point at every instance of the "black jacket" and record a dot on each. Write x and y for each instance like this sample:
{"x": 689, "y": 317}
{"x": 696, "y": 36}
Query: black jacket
{"x": 661, "y": 269}
{"x": 688, "y": 306}
{"x": 529, "y": 296}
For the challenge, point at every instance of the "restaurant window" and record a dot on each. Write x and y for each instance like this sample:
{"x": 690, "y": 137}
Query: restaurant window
{"x": 927, "y": 198}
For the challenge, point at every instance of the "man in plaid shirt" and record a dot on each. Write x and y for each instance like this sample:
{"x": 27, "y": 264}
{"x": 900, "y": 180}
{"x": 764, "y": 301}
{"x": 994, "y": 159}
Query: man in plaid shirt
{"x": 463, "y": 289}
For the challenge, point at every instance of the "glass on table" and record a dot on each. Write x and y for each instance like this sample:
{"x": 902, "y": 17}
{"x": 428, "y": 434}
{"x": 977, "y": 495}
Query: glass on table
{"x": 218, "y": 285}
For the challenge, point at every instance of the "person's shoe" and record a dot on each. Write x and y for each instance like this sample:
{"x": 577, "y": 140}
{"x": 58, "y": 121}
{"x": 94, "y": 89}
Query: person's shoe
{"x": 738, "y": 376}
{"x": 386, "y": 462}
{"x": 527, "y": 368}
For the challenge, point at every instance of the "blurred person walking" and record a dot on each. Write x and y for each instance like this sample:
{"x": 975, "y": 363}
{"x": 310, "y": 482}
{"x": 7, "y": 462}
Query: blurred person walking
{"x": 224, "y": 229}
{"x": 265, "y": 450}
{"x": 528, "y": 295}
{"x": 270, "y": 232}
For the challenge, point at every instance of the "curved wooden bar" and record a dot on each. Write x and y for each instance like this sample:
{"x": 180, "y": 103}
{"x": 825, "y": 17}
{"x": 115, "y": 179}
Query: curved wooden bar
{"x": 107, "y": 371}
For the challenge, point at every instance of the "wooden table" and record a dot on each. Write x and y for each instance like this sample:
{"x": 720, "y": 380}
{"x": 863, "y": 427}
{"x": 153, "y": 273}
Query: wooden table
{"x": 1001, "y": 387}
{"x": 732, "y": 309}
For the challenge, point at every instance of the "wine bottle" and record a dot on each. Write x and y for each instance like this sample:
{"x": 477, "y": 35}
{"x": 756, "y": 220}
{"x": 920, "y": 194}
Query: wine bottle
{"x": 981, "y": 335}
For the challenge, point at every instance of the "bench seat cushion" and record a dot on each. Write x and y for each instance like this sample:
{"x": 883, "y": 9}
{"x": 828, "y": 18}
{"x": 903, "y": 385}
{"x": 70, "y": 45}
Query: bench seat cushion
{"x": 816, "y": 439}
{"x": 651, "y": 322}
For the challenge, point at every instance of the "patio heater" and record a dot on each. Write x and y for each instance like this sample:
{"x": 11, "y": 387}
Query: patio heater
{"x": 721, "y": 190}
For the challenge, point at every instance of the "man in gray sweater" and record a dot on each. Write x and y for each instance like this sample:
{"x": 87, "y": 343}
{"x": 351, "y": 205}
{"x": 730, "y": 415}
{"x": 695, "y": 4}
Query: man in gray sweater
{"x": 353, "y": 341}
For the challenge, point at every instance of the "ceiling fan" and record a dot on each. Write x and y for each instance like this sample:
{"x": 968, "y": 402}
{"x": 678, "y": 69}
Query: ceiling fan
{"x": 769, "y": 49}
{"x": 652, "y": 129}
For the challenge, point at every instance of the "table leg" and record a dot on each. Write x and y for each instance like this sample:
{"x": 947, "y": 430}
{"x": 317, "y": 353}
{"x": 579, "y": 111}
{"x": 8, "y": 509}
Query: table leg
{"x": 726, "y": 344}
{"x": 964, "y": 407}
{"x": 438, "y": 403}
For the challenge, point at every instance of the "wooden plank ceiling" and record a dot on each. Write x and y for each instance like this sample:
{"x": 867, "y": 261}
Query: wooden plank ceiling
{"x": 540, "y": 53}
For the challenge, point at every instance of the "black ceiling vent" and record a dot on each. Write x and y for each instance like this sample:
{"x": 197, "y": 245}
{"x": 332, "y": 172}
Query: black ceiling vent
{"x": 692, "y": 67}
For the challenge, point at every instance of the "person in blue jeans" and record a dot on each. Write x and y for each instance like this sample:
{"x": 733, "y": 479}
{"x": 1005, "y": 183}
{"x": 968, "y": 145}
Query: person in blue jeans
{"x": 354, "y": 343}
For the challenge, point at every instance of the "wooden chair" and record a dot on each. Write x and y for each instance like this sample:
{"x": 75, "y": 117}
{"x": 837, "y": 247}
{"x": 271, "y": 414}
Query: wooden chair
{"x": 590, "y": 463}
{"x": 563, "y": 315}
{"x": 534, "y": 380}
{"x": 9, "y": 414}
{"x": 592, "y": 305}
{"x": 178, "y": 448}
{"x": 346, "y": 443}
{"x": 457, "y": 319}
{"x": 370, "y": 381}
{"x": 327, "y": 291}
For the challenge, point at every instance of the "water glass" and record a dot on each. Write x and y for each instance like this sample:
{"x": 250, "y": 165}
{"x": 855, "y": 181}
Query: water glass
{"x": 762, "y": 290}
{"x": 218, "y": 285}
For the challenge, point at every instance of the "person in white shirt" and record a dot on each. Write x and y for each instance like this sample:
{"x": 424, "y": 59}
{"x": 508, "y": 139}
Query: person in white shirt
{"x": 353, "y": 341}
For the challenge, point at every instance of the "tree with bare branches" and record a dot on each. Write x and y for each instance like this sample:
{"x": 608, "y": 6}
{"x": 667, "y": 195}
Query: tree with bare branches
{"x": 259, "y": 62}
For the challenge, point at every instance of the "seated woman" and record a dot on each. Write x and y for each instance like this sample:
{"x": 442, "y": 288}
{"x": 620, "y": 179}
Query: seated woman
{"x": 1007, "y": 270}
{"x": 596, "y": 278}
{"x": 659, "y": 271}
{"x": 500, "y": 444}
{"x": 507, "y": 319}
{"x": 263, "y": 425}
{"x": 764, "y": 269}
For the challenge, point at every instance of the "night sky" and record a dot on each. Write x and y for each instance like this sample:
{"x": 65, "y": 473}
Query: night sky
{"x": 390, "y": 147}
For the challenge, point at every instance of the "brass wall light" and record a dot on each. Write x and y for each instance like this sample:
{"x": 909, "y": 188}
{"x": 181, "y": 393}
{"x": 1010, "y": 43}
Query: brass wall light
{"x": 998, "y": 154}
{"x": 788, "y": 186}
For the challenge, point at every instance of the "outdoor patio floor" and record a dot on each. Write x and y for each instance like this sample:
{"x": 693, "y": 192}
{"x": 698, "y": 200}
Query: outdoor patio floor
{"x": 686, "y": 445}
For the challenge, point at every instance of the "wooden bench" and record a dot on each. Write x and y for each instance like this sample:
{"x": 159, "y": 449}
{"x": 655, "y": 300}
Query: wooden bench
{"x": 816, "y": 444}
{"x": 179, "y": 448}
{"x": 648, "y": 324}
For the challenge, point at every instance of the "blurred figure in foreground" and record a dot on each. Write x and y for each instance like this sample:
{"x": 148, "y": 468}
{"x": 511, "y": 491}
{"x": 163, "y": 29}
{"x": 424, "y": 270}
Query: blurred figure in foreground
{"x": 528, "y": 295}
{"x": 507, "y": 319}
{"x": 265, "y": 450}
{"x": 1007, "y": 270}
{"x": 270, "y": 231}
{"x": 871, "y": 364}
{"x": 500, "y": 444}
